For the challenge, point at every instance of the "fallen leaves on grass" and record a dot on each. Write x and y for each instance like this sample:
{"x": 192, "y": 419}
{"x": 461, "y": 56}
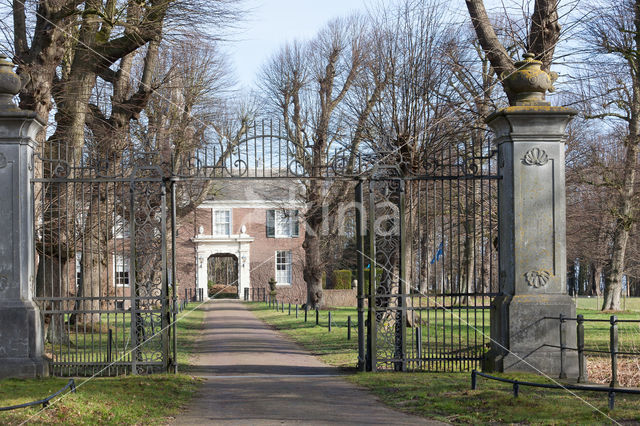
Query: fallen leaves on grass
{"x": 599, "y": 370}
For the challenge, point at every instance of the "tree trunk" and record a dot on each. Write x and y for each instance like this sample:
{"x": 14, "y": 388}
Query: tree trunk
{"x": 314, "y": 263}
{"x": 596, "y": 276}
{"x": 571, "y": 278}
{"x": 94, "y": 261}
{"x": 49, "y": 279}
{"x": 613, "y": 279}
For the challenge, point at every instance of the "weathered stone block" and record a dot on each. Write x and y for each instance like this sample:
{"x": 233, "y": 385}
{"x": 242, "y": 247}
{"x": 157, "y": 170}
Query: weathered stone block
{"x": 21, "y": 342}
{"x": 526, "y": 337}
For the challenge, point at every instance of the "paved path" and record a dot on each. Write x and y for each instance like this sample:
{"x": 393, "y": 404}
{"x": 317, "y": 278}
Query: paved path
{"x": 255, "y": 376}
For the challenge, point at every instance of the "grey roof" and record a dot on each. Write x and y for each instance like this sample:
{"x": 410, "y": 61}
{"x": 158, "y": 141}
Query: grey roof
{"x": 256, "y": 189}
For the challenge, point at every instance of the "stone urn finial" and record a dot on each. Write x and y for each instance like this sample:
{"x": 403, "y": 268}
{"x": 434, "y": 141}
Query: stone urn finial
{"x": 10, "y": 84}
{"x": 528, "y": 82}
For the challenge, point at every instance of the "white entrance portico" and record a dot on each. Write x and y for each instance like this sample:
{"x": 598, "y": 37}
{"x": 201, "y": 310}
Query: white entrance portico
{"x": 235, "y": 244}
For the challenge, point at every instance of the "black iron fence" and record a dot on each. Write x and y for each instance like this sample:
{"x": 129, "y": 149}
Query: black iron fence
{"x": 256, "y": 294}
{"x": 517, "y": 383}
{"x": 71, "y": 385}
{"x": 613, "y": 350}
{"x": 295, "y": 309}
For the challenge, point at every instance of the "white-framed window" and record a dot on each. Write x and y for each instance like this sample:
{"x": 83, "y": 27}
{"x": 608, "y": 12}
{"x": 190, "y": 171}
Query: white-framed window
{"x": 283, "y": 267}
{"x": 78, "y": 269}
{"x": 120, "y": 227}
{"x": 282, "y": 224}
{"x": 222, "y": 222}
{"x": 121, "y": 273}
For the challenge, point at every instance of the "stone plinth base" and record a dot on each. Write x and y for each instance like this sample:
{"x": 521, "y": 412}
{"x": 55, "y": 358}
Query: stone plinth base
{"x": 23, "y": 368}
{"x": 522, "y": 334}
{"x": 20, "y": 341}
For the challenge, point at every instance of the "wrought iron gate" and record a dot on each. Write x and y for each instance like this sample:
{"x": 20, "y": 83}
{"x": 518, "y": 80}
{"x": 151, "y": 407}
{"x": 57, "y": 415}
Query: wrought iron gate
{"x": 101, "y": 253}
{"x": 428, "y": 261}
{"x": 426, "y": 253}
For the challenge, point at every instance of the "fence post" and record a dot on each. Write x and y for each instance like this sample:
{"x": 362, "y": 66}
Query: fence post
{"x": 329, "y": 322}
{"x": 20, "y": 318}
{"x": 296, "y": 310}
{"x": 612, "y": 400}
{"x": 419, "y": 345}
{"x": 613, "y": 344}
{"x": 563, "y": 374}
{"x": 360, "y": 247}
{"x": 109, "y": 345}
{"x": 474, "y": 380}
{"x": 317, "y": 317}
{"x": 580, "y": 335}
{"x": 289, "y": 308}
{"x": 349, "y": 327}
{"x": 306, "y": 311}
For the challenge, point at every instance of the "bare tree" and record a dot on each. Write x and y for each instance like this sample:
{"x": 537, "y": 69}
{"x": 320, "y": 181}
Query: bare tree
{"x": 543, "y": 35}
{"x": 80, "y": 56}
{"x": 308, "y": 86}
{"x": 613, "y": 37}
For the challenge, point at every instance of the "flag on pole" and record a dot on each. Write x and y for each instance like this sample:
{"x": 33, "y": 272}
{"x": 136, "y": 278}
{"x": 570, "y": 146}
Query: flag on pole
{"x": 438, "y": 254}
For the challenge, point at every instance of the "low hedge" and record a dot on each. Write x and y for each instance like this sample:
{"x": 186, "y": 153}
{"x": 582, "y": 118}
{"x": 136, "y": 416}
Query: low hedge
{"x": 342, "y": 279}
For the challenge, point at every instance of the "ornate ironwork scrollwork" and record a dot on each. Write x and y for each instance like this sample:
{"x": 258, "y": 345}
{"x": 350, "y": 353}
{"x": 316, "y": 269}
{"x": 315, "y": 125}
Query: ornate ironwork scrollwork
{"x": 293, "y": 167}
{"x": 61, "y": 169}
{"x": 241, "y": 168}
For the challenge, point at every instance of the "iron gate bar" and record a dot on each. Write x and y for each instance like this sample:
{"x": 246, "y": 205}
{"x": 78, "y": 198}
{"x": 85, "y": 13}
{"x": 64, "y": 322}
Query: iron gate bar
{"x": 360, "y": 236}
{"x": 174, "y": 280}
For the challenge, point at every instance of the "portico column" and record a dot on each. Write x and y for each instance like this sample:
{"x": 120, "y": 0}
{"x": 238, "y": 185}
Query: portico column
{"x": 21, "y": 340}
{"x": 532, "y": 245}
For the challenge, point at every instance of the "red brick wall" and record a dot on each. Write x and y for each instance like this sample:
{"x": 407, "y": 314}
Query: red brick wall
{"x": 262, "y": 252}
{"x": 185, "y": 248}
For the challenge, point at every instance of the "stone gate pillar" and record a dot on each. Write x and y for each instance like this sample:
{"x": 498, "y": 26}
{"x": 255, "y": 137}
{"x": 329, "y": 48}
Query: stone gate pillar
{"x": 20, "y": 325}
{"x": 532, "y": 245}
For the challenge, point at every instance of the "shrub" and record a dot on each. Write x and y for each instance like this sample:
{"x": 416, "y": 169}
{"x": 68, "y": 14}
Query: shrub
{"x": 366, "y": 279}
{"x": 342, "y": 279}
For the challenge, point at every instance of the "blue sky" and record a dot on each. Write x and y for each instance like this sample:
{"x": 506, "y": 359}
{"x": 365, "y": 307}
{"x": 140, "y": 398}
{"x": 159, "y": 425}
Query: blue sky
{"x": 274, "y": 22}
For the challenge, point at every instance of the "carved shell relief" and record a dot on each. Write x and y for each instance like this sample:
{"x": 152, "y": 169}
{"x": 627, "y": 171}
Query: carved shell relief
{"x": 535, "y": 157}
{"x": 537, "y": 279}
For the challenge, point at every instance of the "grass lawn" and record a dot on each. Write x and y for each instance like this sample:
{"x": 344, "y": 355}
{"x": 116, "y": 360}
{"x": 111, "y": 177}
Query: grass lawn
{"x": 333, "y": 348}
{"x": 336, "y": 350}
{"x": 114, "y": 400}
{"x": 595, "y": 303}
{"x": 447, "y": 396}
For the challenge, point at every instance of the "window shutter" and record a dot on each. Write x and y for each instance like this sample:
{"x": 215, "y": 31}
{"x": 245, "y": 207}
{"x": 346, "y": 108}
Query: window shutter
{"x": 271, "y": 223}
{"x": 295, "y": 223}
